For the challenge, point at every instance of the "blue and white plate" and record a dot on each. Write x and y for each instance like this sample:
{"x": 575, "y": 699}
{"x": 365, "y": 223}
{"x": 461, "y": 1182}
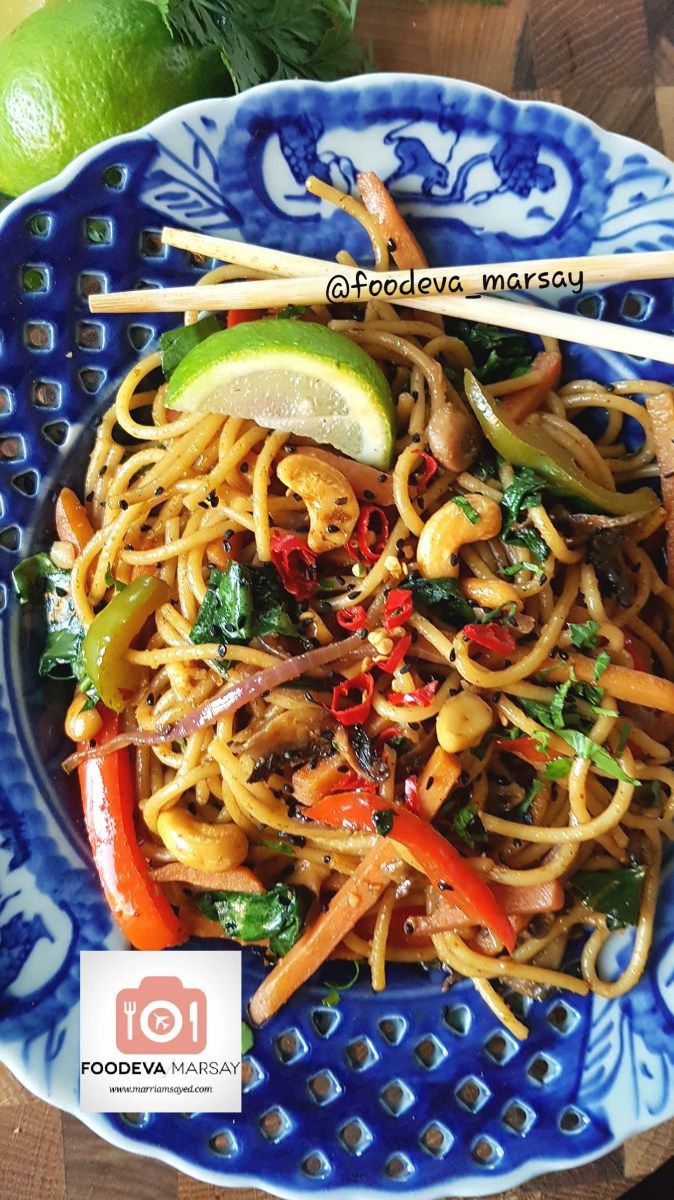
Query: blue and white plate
{"x": 370, "y": 1096}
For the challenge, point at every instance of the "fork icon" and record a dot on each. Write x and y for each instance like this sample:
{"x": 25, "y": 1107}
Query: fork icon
{"x": 129, "y": 1013}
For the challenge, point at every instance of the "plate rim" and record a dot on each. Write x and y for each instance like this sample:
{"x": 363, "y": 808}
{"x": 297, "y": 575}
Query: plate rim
{"x": 10, "y": 1053}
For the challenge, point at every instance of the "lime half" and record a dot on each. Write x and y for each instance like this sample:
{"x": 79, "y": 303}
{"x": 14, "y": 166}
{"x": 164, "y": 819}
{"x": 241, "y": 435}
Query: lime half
{"x": 292, "y": 376}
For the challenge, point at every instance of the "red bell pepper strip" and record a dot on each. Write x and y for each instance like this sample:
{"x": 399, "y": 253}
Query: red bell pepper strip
{"x": 398, "y": 608}
{"x": 420, "y": 697}
{"x": 138, "y": 904}
{"x": 237, "y": 316}
{"x": 351, "y": 782}
{"x": 490, "y": 637}
{"x": 397, "y": 655}
{"x": 295, "y": 563}
{"x": 435, "y": 856}
{"x": 525, "y": 747}
{"x": 353, "y": 714}
{"x": 370, "y": 517}
{"x": 353, "y": 618}
{"x": 422, "y": 481}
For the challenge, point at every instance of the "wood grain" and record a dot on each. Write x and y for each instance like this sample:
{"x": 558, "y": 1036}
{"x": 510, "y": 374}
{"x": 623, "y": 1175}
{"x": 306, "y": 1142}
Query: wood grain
{"x": 613, "y": 60}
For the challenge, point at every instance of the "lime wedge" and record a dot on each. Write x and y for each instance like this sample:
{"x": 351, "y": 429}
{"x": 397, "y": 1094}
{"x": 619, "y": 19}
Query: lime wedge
{"x": 293, "y": 376}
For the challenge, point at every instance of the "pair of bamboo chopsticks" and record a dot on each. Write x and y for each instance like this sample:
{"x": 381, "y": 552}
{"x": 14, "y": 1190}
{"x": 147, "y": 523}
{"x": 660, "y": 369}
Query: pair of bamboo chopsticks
{"x": 298, "y": 279}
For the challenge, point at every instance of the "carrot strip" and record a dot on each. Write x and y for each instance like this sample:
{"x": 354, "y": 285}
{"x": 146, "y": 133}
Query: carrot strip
{"x": 380, "y": 204}
{"x": 347, "y": 906}
{"x": 436, "y": 781}
{"x": 516, "y": 902}
{"x": 521, "y": 404}
{"x": 660, "y": 408}
{"x": 634, "y": 687}
{"x": 72, "y": 522}
{"x": 237, "y": 879}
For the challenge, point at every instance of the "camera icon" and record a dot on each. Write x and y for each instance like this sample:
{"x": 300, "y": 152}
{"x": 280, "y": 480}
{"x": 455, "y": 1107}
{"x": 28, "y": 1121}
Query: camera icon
{"x": 161, "y": 1016}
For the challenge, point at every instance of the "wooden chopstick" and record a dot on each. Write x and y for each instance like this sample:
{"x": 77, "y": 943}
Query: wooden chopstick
{"x": 277, "y": 292}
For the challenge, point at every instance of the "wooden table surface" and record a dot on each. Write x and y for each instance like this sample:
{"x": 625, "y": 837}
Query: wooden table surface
{"x": 612, "y": 60}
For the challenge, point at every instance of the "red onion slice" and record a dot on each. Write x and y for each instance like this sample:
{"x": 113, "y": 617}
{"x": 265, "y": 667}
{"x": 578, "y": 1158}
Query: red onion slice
{"x": 230, "y": 698}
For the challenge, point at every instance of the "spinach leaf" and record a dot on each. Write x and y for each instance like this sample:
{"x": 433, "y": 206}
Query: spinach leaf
{"x": 445, "y": 596}
{"x": 46, "y": 588}
{"x": 176, "y": 343}
{"x": 524, "y": 492}
{"x": 497, "y": 353}
{"x": 277, "y": 914}
{"x": 244, "y": 602}
{"x": 467, "y": 826}
{"x": 616, "y": 893}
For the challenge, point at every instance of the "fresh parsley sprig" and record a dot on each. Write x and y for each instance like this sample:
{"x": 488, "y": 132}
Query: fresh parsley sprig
{"x": 261, "y": 40}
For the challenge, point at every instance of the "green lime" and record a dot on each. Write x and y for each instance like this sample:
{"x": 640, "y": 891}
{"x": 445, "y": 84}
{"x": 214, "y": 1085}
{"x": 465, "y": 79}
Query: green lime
{"x": 293, "y": 376}
{"x": 79, "y": 71}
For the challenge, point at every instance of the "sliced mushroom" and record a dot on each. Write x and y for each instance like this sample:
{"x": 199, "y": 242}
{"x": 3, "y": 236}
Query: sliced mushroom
{"x": 453, "y": 437}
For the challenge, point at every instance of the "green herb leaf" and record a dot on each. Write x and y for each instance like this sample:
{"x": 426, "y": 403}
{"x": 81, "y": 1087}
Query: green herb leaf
{"x": 277, "y": 915}
{"x": 603, "y": 661}
{"x": 247, "y": 1039}
{"x": 333, "y": 997}
{"x": 176, "y": 343}
{"x": 443, "y": 595}
{"x": 624, "y": 736}
{"x": 523, "y": 493}
{"x": 467, "y": 826}
{"x": 505, "y": 614}
{"x": 291, "y": 312}
{"x": 279, "y": 848}
{"x": 110, "y": 581}
{"x": 521, "y": 812}
{"x": 616, "y": 893}
{"x": 46, "y": 588}
{"x": 383, "y": 821}
{"x": 585, "y": 748}
{"x": 584, "y": 636}
{"x": 467, "y": 509}
{"x": 260, "y": 41}
{"x": 557, "y": 768}
{"x": 515, "y": 568}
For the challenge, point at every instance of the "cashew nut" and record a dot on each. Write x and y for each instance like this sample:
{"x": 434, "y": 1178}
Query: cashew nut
{"x": 331, "y": 501}
{"x": 208, "y": 847}
{"x": 463, "y": 721}
{"x": 491, "y": 593}
{"x": 449, "y": 529}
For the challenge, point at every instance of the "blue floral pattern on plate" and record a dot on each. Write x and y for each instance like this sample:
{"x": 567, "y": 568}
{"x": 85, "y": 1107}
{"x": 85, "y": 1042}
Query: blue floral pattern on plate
{"x": 417, "y": 1090}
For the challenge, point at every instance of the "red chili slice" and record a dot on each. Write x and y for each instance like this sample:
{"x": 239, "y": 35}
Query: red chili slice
{"x": 237, "y": 316}
{"x": 353, "y": 714}
{"x": 397, "y": 655}
{"x": 421, "y": 697}
{"x": 430, "y": 469}
{"x": 398, "y": 608}
{"x": 351, "y": 782}
{"x": 412, "y": 795}
{"x": 353, "y": 618}
{"x": 372, "y": 520}
{"x": 490, "y": 637}
{"x": 295, "y": 563}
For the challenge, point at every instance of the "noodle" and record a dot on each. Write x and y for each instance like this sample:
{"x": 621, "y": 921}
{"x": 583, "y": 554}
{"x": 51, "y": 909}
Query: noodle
{"x": 570, "y": 775}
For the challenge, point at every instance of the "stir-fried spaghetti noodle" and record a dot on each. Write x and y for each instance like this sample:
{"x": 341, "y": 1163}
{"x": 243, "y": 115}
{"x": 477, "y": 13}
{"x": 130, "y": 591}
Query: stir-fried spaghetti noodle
{"x": 541, "y": 751}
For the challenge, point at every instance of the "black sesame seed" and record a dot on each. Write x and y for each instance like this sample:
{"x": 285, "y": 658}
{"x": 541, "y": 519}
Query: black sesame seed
{"x": 272, "y": 523}
{"x": 429, "y": 782}
{"x": 203, "y": 504}
{"x": 496, "y": 696}
{"x": 244, "y": 468}
{"x": 124, "y": 504}
{"x": 89, "y": 497}
{"x": 383, "y": 477}
{"x": 368, "y": 494}
{"x": 103, "y": 470}
{"x": 362, "y": 634}
{"x": 416, "y": 438}
{"x": 341, "y": 500}
{"x": 454, "y": 558}
{"x": 408, "y": 927}
{"x": 444, "y": 886}
{"x": 145, "y": 528}
{"x": 149, "y": 699}
{"x": 327, "y": 859}
{"x": 333, "y": 528}
{"x": 159, "y": 491}
{"x": 227, "y": 546}
{"x": 391, "y": 244}
{"x": 213, "y": 498}
{"x": 563, "y": 655}
{"x": 222, "y": 650}
{"x": 463, "y": 778}
{"x": 415, "y": 396}
{"x": 452, "y": 655}
{"x": 353, "y": 595}
{"x": 289, "y": 448}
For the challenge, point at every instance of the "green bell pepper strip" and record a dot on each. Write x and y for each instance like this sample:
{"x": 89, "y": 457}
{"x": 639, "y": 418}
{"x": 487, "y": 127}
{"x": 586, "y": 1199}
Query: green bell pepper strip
{"x": 524, "y": 446}
{"x": 111, "y": 633}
